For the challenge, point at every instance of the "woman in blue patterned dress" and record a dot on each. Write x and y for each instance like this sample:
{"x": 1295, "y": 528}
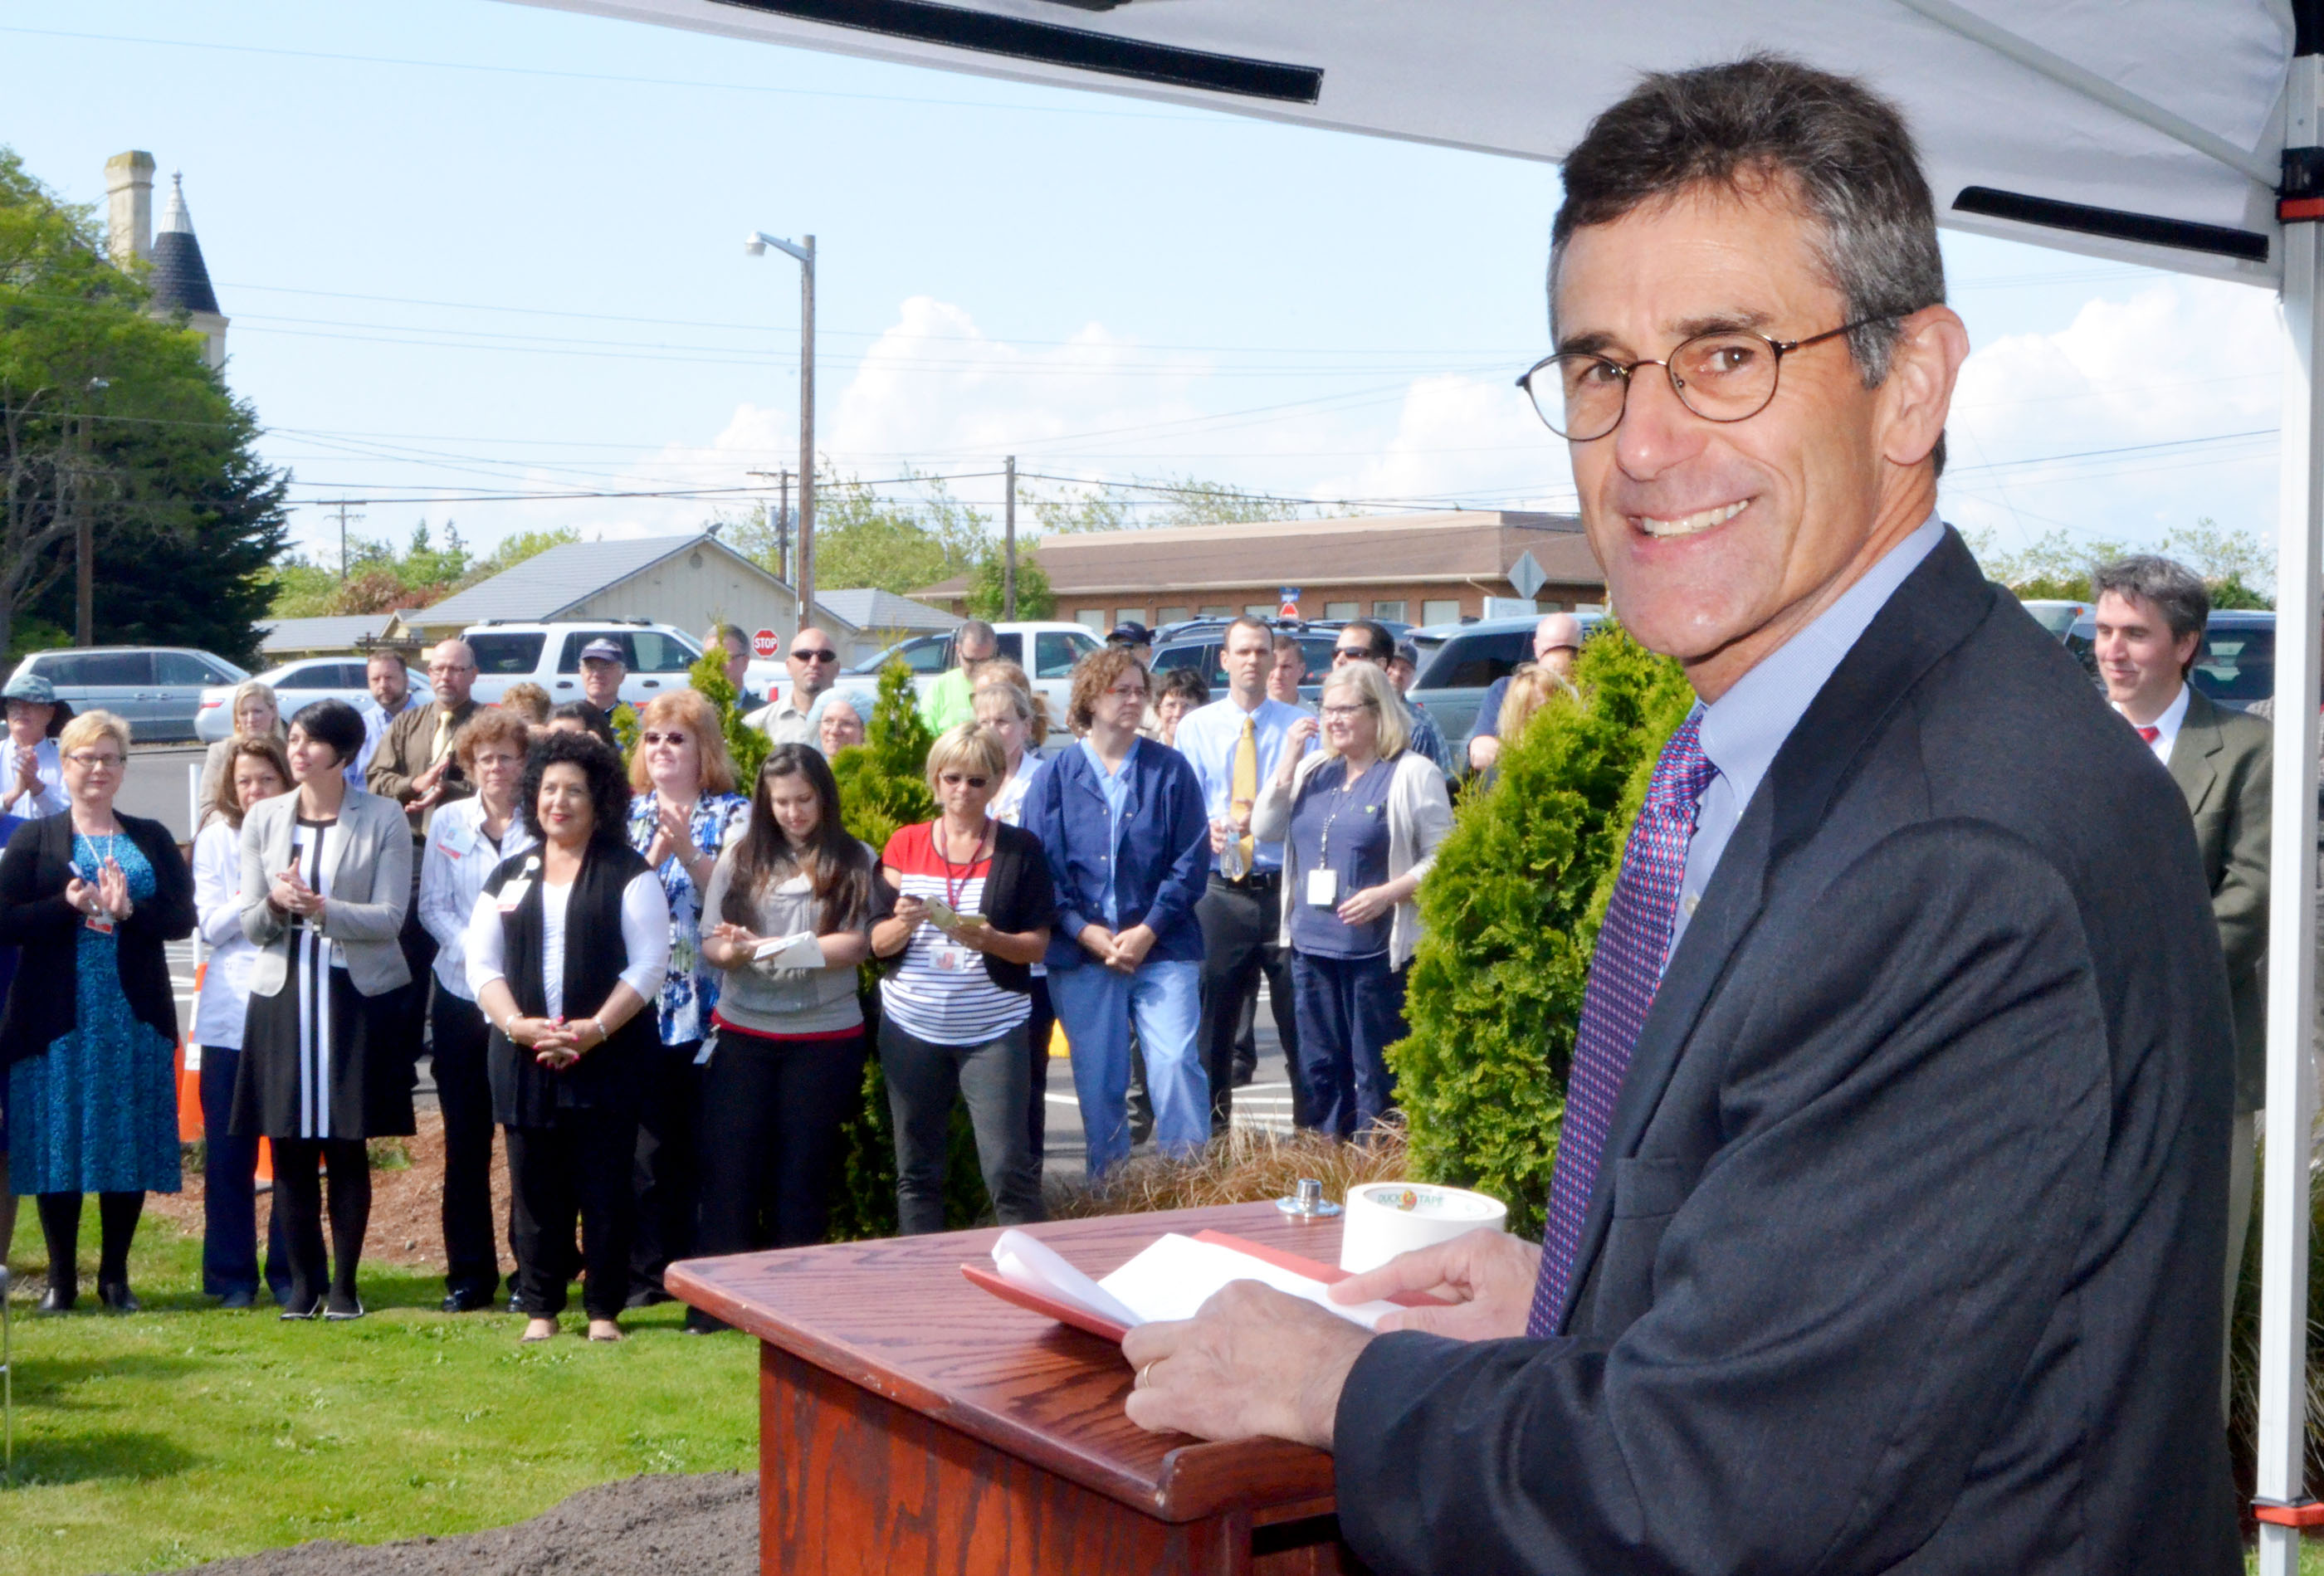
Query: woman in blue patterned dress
{"x": 92, "y": 897}
{"x": 684, "y": 812}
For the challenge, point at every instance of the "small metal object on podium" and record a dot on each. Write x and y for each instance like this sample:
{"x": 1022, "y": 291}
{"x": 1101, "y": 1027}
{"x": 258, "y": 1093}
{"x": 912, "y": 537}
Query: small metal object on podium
{"x": 1308, "y": 1202}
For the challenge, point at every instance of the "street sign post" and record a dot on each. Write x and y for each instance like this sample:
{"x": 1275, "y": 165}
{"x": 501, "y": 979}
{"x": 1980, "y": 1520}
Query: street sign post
{"x": 1527, "y": 576}
{"x": 1289, "y": 597}
{"x": 765, "y": 643}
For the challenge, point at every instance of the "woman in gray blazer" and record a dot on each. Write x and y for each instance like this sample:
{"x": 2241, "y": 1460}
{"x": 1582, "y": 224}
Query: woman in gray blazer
{"x": 325, "y": 877}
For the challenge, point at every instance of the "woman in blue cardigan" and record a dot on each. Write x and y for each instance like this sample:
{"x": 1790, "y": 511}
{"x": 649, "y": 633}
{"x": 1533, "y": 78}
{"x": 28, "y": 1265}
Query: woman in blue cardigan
{"x": 1129, "y": 845}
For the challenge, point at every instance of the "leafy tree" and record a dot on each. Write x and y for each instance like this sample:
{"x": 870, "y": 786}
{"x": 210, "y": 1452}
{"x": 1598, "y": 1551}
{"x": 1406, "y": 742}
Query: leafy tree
{"x": 1167, "y": 501}
{"x": 2235, "y": 564}
{"x": 109, "y": 415}
{"x": 748, "y": 746}
{"x": 1510, "y": 918}
{"x": 863, "y": 539}
{"x": 516, "y": 547}
{"x": 988, "y": 588}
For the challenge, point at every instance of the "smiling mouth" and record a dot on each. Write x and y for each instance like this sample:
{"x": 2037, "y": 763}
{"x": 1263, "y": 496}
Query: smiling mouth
{"x": 1691, "y": 524}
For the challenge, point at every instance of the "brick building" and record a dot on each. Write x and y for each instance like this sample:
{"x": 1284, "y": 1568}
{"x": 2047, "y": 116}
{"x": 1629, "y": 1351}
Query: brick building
{"x": 1417, "y": 568}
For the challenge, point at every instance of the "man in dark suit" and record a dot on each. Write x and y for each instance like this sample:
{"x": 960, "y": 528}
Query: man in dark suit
{"x": 2151, "y": 615}
{"x": 1888, "y": 1214}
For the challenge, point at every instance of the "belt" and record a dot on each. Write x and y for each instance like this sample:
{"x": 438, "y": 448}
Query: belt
{"x": 1257, "y": 880}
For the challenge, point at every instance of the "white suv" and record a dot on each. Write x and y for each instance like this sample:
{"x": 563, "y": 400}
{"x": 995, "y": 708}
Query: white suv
{"x": 549, "y": 655}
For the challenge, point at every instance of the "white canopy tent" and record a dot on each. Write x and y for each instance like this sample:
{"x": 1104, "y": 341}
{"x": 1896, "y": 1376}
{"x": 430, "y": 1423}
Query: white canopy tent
{"x": 2146, "y": 131}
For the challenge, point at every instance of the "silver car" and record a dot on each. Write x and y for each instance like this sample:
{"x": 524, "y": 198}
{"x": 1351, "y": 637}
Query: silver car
{"x": 296, "y": 683}
{"x": 156, "y": 690}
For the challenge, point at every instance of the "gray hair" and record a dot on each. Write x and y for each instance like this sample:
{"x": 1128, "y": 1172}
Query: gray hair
{"x": 1846, "y": 149}
{"x": 2165, "y": 585}
{"x": 975, "y": 632}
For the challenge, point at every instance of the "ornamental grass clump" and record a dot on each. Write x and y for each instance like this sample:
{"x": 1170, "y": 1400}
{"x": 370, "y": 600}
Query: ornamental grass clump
{"x": 1510, "y": 918}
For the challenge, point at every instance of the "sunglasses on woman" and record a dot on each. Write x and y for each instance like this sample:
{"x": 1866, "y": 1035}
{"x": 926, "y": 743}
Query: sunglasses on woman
{"x": 954, "y": 780}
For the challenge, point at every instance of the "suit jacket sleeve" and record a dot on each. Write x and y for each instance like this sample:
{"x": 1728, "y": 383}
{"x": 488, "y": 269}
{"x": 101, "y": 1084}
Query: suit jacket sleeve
{"x": 2239, "y": 903}
{"x": 262, "y": 921}
{"x": 391, "y": 767}
{"x": 1916, "y": 1107}
{"x": 379, "y": 918}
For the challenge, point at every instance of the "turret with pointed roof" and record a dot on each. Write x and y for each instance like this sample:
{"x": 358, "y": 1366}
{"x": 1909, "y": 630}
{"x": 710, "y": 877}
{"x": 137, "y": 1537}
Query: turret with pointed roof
{"x": 181, "y": 281}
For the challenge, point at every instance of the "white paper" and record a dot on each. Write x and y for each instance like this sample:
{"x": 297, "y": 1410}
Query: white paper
{"x": 789, "y": 952}
{"x": 1171, "y": 1278}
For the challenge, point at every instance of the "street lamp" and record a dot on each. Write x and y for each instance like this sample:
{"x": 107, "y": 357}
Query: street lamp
{"x": 756, "y": 246}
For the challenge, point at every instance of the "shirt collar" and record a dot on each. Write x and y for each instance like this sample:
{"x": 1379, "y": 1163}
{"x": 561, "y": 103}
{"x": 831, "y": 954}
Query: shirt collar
{"x": 1743, "y": 729}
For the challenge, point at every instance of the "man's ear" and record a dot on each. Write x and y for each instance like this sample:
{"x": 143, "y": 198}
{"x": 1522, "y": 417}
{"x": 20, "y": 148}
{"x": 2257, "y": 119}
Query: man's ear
{"x": 1923, "y": 367}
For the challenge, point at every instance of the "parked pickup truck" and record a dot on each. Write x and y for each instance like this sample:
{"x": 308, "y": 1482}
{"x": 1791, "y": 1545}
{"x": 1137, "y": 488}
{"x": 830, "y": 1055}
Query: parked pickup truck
{"x": 549, "y": 655}
{"x": 1047, "y": 652}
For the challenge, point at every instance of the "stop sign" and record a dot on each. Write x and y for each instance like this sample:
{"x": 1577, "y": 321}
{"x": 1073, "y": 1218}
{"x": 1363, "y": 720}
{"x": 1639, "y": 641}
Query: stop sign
{"x": 765, "y": 643}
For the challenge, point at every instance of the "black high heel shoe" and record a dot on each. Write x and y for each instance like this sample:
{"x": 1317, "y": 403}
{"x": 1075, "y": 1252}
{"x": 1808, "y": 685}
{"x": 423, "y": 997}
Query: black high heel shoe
{"x": 117, "y": 1297}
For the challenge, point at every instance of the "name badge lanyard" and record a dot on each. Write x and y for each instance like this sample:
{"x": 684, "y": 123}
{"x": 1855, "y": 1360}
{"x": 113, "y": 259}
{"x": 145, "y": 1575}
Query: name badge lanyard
{"x": 1341, "y": 797}
{"x": 956, "y": 890}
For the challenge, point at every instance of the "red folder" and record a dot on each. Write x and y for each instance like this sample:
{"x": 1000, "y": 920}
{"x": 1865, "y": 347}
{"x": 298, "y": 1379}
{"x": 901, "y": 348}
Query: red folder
{"x": 1009, "y": 1291}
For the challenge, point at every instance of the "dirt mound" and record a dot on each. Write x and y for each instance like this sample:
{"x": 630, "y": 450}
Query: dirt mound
{"x": 705, "y": 1525}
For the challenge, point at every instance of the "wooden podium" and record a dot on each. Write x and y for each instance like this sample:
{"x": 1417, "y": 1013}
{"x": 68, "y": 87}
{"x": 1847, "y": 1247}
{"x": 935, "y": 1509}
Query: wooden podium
{"x": 908, "y": 1422}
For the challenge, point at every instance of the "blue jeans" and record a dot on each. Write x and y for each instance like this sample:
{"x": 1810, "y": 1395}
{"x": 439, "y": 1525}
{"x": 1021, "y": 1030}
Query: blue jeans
{"x": 229, "y": 1193}
{"x": 1097, "y": 1007}
{"x": 1350, "y": 1011}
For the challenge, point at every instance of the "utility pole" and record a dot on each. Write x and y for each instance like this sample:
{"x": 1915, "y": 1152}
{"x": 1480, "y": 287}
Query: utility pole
{"x": 782, "y": 524}
{"x": 344, "y": 517}
{"x": 1008, "y": 546}
{"x": 84, "y": 543}
{"x": 804, "y": 252}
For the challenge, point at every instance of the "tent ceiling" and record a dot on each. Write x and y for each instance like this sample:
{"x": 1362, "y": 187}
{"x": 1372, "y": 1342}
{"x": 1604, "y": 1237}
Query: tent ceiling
{"x": 2010, "y": 99}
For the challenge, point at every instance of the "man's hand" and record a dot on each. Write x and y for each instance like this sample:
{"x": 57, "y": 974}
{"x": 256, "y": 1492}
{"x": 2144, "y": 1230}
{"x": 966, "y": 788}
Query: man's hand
{"x": 28, "y": 772}
{"x": 1219, "y": 836}
{"x": 1485, "y": 1277}
{"x": 1252, "y": 1361}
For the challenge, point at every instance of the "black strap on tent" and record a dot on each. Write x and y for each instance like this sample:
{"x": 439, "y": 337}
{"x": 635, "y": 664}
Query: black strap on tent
{"x": 2299, "y": 201}
{"x": 2113, "y": 224}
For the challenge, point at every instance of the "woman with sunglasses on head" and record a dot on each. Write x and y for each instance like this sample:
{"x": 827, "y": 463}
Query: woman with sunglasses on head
{"x": 326, "y": 879}
{"x": 255, "y": 770}
{"x": 566, "y": 953}
{"x": 684, "y": 812}
{"x": 965, "y": 905}
{"x": 257, "y": 713}
{"x": 90, "y": 1032}
{"x": 1019, "y": 716}
{"x": 789, "y": 908}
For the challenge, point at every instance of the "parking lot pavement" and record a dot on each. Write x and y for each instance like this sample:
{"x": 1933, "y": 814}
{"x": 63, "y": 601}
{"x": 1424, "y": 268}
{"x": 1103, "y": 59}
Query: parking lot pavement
{"x": 159, "y": 787}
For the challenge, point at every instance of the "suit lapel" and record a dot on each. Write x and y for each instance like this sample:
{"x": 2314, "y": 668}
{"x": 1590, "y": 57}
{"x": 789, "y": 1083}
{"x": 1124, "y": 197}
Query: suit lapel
{"x": 1930, "y": 614}
{"x": 2192, "y": 752}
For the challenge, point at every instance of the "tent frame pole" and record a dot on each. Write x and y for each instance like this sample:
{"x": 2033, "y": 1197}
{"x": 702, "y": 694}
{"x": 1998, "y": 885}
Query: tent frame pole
{"x": 2293, "y": 864}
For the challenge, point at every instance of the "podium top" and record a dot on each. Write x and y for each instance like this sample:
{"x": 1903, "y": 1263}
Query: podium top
{"x": 894, "y": 1316}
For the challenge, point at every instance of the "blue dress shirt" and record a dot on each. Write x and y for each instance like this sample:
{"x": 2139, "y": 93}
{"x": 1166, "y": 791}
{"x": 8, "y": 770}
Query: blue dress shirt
{"x": 1207, "y": 737}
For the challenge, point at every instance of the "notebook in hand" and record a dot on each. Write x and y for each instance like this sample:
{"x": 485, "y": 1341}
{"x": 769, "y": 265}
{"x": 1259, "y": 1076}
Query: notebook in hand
{"x": 1171, "y": 1278}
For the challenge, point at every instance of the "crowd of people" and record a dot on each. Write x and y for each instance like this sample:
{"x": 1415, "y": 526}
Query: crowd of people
{"x": 643, "y": 974}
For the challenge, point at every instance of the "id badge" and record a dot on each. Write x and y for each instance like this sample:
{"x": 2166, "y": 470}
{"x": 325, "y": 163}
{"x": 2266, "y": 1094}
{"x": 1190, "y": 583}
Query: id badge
{"x": 953, "y": 960}
{"x": 511, "y": 894}
{"x": 1324, "y": 888}
{"x": 100, "y": 923}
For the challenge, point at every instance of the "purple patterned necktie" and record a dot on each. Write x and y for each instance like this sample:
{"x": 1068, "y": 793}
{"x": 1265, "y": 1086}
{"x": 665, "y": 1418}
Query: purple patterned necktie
{"x": 1632, "y": 945}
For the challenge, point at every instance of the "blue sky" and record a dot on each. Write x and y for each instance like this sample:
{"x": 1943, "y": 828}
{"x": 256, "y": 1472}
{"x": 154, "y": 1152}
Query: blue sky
{"x": 470, "y": 247}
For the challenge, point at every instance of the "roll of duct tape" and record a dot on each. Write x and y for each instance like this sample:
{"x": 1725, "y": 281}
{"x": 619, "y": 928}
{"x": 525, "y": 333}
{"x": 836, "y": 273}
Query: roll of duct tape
{"x": 1388, "y": 1218}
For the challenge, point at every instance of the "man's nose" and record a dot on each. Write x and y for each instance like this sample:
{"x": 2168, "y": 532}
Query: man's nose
{"x": 1657, "y": 431}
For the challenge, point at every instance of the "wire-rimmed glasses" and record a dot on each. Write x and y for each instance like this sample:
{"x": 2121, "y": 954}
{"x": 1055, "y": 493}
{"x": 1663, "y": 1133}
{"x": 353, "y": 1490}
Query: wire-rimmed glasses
{"x": 1728, "y": 375}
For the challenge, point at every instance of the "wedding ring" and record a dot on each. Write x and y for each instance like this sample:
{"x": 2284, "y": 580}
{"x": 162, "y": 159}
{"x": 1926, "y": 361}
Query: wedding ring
{"x": 1141, "y": 1375}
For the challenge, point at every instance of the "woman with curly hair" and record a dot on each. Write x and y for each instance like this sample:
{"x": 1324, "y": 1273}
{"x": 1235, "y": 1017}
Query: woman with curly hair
{"x": 566, "y": 951}
{"x": 684, "y": 811}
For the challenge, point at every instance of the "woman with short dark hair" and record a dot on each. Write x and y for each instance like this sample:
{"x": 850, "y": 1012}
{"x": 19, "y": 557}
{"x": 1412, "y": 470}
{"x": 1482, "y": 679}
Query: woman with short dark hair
{"x": 567, "y": 950}
{"x": 326, "y": 879}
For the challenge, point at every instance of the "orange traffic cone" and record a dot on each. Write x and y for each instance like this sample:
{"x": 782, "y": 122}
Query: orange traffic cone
{"x": 189, "y": 1092}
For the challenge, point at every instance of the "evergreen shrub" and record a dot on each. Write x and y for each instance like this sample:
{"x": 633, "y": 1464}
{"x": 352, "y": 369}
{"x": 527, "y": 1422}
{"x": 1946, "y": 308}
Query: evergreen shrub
{"x": 1509, "y": 917}
{"x": 747, "y": 746}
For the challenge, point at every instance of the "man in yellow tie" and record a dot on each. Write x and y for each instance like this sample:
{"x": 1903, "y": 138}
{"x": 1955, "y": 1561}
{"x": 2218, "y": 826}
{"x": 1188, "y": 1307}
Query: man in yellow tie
{"x": 1233, "y": 745}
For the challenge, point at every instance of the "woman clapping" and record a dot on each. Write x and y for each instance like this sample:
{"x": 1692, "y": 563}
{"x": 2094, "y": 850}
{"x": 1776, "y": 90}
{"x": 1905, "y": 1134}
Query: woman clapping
{"x": 567, "y": 952}
{"x": 90, "y": 1030}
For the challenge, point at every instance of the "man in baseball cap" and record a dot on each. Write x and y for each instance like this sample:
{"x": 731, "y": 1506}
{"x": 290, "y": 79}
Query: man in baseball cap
{"x": 1136, "y": 636}
{"x": 603, "y": 665}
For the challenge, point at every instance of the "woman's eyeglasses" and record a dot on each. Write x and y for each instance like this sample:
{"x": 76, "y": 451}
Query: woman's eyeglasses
{"x": 956, "y": 779}
{"x": 661, "y": 738}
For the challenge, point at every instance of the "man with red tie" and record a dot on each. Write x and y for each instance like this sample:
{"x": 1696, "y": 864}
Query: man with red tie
{"x": 1889, "y": 1203}
{"x": 2150, "y": 615}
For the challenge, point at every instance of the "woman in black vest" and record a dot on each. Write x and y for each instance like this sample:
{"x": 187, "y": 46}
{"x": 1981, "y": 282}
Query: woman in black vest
{"x": 567, "y": 950}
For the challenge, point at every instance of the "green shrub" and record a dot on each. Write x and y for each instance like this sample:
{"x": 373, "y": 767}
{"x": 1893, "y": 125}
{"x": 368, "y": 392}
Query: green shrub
{"x": 747, "y": 746}
{"x": 882, "y": 787}
{"x": 1510, "y": 916}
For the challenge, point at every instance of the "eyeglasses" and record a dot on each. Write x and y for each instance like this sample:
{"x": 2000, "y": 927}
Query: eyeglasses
{"x": 1345, "y": 713}
{"x": 1726, "y": 375}
{"x": 451, "y": 668}
{"x": 661, "y": 738}
{"x": 1351, "y": 654}
{"x": 823, "y": 656}
{"x": 93, "y": 760}
{"x": 954, "y": 780}
{"x": 1128, "y": 692}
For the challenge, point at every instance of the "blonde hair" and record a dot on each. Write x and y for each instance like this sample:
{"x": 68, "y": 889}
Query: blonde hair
{"x": 1531, "y": 687}
{"x": 687, "y": 710}
{"x": 243, "y": 692}
{"x": 1034, "y": 710}
{"x": 1378, "y": 691}
{"x": 528, "y": 701}
{"x": 1029, "y": 708}
{"x": 90, "y": 727}
{"x": 970, "y": 747}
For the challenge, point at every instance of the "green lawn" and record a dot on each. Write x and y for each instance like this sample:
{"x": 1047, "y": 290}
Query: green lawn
{"x": 183, "y": 1433}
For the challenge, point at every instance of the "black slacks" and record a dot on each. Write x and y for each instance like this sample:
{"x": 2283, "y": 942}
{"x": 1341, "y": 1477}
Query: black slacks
{"x": 1240, "y": 921}
{"x": 771, "y": 1110}
{"x": 1037, "y": 1030}
{"x": 666, "y": 1168}
{"x": 576, "y": 1168}
{"x": 464, "y": 1091}
{"x": 298, "y": 1165}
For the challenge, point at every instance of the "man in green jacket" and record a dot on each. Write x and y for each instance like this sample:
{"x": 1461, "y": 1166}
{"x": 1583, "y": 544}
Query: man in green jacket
{"x": 952, "y": 699}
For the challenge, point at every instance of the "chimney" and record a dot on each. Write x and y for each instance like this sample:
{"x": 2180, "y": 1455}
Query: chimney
{"x": 129, "y": 213}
